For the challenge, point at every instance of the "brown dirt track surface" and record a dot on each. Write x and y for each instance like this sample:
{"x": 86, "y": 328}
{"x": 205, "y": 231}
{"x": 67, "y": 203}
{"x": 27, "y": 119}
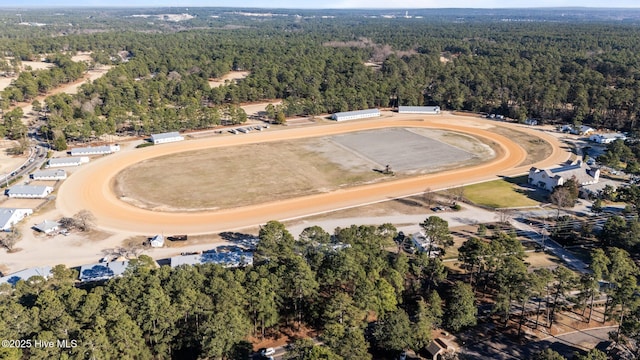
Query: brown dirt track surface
{"x": 90, "y": 187}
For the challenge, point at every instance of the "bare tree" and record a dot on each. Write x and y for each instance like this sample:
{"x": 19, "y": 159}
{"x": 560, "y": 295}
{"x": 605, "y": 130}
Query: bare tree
{"x": 503, "y": 216}
{"x": 84, "y": 220}
{"x": 561, "y": 197}
{"x": 10, "y": 239}
{"x": 429, "y": 196}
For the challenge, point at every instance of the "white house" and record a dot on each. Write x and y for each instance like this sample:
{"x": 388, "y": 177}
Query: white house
{"x": 422, "y": 243}
{"x": 29, "y": 191}
{"x": 549, "y": 179}
{"x": 419, "y": 109}
{"x": 57, "y": 174}
{"x": 157, "y": 241}
{"x": 582, "y": 130}
{"x": 47, "y": 226}
{"x": 531, "y": 122}
{"x": 12, "y": 216}
{"x": 352, "y": 115}
{"x": 166, "y": 137}
{"x": 95, "y": 150}
{"x": 607, "y": 138}
{"x": 68, "y": 161}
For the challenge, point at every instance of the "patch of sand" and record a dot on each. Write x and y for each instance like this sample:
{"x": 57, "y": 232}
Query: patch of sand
{"x": 9, "y": 163}
{"x": 232, "y": 76}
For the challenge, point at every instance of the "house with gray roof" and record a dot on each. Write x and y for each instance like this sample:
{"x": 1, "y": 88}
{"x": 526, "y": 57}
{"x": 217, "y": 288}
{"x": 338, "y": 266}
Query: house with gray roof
{"x": 548, "y": 179}
{"x": 12, "y": 216}
{"x": 29, "y": 191}
{"x": 47, "y": 226}
{"x": 102, "y": 271}
{"x": 227, "y": 259}
{"x": 12, "y": 279}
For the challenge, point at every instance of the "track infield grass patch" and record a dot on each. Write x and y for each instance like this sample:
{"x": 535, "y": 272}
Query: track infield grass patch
{"x": 503, "y": 193}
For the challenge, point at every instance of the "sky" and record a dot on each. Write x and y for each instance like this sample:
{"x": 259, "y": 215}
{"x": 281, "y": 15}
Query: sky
{"x": 336, "y": 4}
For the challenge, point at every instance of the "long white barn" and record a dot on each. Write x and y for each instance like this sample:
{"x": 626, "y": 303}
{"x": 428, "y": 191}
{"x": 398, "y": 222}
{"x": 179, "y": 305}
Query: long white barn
{"x": 29, "y": 191}
{"x": 12, "y": 216}
{"x": 549, "y": 179}
{"x": 353, "y": 115}
{"x": 53, "y": 174}
{"x": 166, "y": 137}
{"x": 68, "y": 161}
{"x": 95, "y": 150}
{"x": 419, "y": 110}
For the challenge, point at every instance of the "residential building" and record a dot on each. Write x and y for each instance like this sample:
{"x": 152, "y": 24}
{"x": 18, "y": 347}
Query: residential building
{"x": 12, "y": 216}
{"x": 419, "y": 109}
{"x": 29, "y": 191}
{"x": 95, "y": 150}
{"x": 68, "y": 161}
{"x": 166, "y": 137}
{"x": 12, "y": 279}
{"x": 47, "y": 226}
{"x": 102, "y": 271}
{"x": 57, "y": 174}
{"x": 549, "y": 179}
{"x": 227, "y": 259}
{"x": 607, "y": 138}
{"x": 353, "y": 115}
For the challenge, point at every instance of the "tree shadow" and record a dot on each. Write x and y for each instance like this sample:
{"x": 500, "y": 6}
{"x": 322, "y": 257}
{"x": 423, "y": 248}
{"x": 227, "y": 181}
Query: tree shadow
{"x": 248, "y": 241}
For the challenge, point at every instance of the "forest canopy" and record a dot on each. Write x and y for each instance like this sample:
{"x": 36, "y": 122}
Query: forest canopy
{"x": 571, "y": 72}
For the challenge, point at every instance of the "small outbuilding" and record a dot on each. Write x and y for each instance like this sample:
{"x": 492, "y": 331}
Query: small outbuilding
{"x": 157, "y": 241}
{"x": 166, "y": 137}
{"x": 47, "y": 226}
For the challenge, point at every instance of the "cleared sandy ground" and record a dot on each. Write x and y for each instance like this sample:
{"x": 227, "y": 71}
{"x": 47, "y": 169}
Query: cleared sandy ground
{"x": 8, "y": 163}
{"x": 90, "y": 187}
{"x": 234, "y": 75}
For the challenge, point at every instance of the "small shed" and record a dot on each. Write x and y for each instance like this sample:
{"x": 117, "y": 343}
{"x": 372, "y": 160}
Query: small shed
{"x": 157, "y": 241}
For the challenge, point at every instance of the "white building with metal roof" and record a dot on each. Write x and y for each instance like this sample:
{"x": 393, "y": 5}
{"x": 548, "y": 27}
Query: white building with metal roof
{"x": 166, "y": 137}
{"x": 12, "y": 216}
{"x": 607, "y": 138}
{"x": 68, "y": 161}
{"x": 29, "y": 191}
{"x": 419, "y": 109}
{"x": 57, "y": 174}
{"x": 47, "y": 226}
{"x": 353, "y": 115}
{"x": 95, "y": 150}
{"x": 12, "y": 279}
{"x": 548, "y": 179}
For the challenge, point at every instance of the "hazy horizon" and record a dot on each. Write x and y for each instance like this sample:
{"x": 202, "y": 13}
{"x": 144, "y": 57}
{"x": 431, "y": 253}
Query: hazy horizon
{"x": 333, "y": 4}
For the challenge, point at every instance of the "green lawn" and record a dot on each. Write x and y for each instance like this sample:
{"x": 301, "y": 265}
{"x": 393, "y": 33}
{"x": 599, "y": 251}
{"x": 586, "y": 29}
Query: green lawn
{"x": 500, "y": 193}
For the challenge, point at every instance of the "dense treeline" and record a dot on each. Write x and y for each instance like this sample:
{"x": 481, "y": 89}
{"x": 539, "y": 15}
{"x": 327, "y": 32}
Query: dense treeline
{"x": 575, "y": 73}
{"x": 209, "y": 311}
{"x": 360, "y": 297}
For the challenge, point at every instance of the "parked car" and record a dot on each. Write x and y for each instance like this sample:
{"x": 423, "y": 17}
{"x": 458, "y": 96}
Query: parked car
{"x": 267, "y": 352}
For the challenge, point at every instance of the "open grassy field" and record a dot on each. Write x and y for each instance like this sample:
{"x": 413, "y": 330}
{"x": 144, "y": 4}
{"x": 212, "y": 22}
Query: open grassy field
{"x": 501, "y": 193}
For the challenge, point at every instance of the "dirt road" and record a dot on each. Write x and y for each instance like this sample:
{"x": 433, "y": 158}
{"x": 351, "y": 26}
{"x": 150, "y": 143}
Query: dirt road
{"x": 90, "y": 187}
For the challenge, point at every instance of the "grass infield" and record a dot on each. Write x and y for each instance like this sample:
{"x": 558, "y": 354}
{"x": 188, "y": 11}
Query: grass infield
{"x": 501, "y": 193}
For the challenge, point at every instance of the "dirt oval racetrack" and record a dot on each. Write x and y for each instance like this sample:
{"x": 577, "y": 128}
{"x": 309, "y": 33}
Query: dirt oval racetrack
{"x": 90, "y": 187}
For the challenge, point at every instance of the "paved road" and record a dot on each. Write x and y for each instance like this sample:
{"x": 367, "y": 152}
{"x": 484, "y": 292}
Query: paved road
{"x": 499, "y": 346}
